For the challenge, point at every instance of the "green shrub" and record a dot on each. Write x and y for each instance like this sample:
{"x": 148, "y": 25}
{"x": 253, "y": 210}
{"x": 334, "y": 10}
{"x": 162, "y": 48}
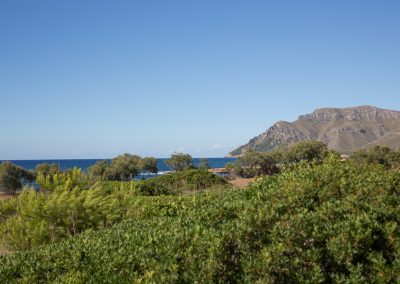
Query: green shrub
{"x": 378, "y": 155}
{"x": 257, "y": 163}
{"x": 253, "y": 164}
{"x": 305, "y": 151}
{"x": 36, "y": 218}
{"x": 111, "y": 187}
{"x": 40, "y": 218}
{"x": 334, "y": 222}
{"x": 67, "y": 180}
{"x": 179, "y": 182}
{"x": 7, "y": 208}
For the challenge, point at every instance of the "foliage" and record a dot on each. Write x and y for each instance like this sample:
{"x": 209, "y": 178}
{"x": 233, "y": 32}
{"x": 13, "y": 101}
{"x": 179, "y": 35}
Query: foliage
{"x": 203, "y": 164}
{"x": 180, "y": 162}
{"x": 305, "y": 151}
{"x": 110, "y": 187}
{"x": 12, "y": 177}
{"x": 70, "y": 207}
{"x": 149, "y": 165}
{"x": 124, "y": 167}
{"x": 253, "y": 163}
{"x": 180, "y": 182}
{"x": 42, "y": 218}
{"x": 378, "y": 155}
{"x": 330, "y": 222}
{"x": 47, "y": 169}
{"x": 99, "y": 171}
{"x": 7, "y": 208}
{"x": 67, "y": 180}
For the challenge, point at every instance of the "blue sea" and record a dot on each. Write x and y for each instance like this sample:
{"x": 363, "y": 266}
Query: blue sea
{"x": 84, "y": 164}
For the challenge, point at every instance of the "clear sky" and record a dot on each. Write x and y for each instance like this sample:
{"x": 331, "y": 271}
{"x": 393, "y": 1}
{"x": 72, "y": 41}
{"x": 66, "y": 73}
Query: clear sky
{"x": 93, "y": 79}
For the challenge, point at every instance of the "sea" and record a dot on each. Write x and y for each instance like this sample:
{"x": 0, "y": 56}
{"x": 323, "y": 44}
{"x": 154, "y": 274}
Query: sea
{"x": 84, "y": 164}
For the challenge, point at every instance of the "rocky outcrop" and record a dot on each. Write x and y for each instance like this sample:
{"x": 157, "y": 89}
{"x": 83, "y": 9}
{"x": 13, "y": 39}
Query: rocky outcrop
{"x": 342, "y": 129}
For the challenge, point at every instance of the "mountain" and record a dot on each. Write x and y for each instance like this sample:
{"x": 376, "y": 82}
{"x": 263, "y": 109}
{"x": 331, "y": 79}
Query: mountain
{"x": 342, "y": 129}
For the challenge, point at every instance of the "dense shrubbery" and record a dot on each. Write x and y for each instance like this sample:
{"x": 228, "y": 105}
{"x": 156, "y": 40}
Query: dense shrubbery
{"x": 254, "y": 163}
{"x": 43, "y": 218}
{"x": 332, "y": 222}
{"x": 304, "y": 151}
{"x": 73, "y": 206}
{"x": 67, "y": 180}
{"x": 180, "y": 182}
{"x": 7, "y": 208}
{"x": 123, "y": 167}
{"x": 378, "y": 155}
{"x": 47, "y": 169}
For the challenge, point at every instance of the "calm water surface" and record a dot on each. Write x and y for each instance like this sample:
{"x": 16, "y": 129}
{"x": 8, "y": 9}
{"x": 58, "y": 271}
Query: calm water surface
{"x": 86, "y": 163}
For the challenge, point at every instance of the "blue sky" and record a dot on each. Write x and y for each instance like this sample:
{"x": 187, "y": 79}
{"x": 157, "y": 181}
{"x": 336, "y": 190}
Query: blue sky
{"x": 93, "y": 79}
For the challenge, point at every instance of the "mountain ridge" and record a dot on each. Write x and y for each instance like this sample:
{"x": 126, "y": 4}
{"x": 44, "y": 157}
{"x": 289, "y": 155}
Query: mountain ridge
{"x": 342, "y": 129}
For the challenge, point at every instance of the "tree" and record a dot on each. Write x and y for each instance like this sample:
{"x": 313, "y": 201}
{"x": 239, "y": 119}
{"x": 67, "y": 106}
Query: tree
{"x": 377, "y": 155}
{"x": 125, "y": 167}
{"x": 269, "y": 163}
{"x": 249, "y": 163}
{"x": 99, "y": 170}
{"x": 47, "y": 169}
{"x": 180, "y": 161}
{"x": 67, "y": 180}
{"x": 254, "y": 163}
{"x": 149, "y": 165}
{"x": 12, "y": 177}
{"x": 306, "y": 151}
{"x": 203, "y": 164}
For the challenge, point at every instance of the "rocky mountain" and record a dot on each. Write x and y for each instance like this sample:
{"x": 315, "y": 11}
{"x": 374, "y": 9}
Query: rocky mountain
{"x": 342, "y": 129}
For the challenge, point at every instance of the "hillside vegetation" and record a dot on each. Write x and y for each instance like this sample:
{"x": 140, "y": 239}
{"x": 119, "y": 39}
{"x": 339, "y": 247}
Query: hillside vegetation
{"x": 317, "y": 222}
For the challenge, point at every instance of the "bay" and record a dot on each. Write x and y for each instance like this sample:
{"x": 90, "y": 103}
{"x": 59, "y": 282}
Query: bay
{"x": 84, "y": 164}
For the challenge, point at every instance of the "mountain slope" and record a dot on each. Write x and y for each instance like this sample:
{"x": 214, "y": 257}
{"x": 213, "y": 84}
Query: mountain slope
{"x": 342, "y": 129}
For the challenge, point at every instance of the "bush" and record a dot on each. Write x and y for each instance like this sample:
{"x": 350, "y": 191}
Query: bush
{"x": 334, "y": 222}
{"x": 47, "y": 169}
{"x": 305, "y": 151}
{"x": 67, "y": 180}
{"x": 111, "y": 187}
{"x": 378, "y": 155}
{"x": 253, "y": 163}
{"x": 34, "y": 218}
{"x": 179, "y": 182}
{"x": 7, "y": 208}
